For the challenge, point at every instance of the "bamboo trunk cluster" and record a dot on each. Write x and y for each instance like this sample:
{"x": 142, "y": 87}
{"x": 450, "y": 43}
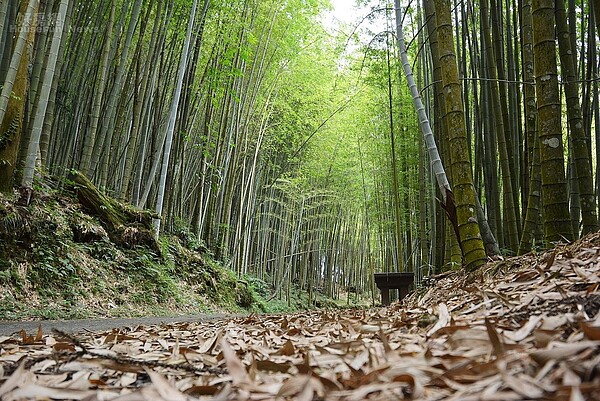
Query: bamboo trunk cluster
{"x": 241, "y": 125}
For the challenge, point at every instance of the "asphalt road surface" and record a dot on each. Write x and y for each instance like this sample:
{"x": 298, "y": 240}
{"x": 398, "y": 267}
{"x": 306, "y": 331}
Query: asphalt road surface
{"x": 8, "y": 328}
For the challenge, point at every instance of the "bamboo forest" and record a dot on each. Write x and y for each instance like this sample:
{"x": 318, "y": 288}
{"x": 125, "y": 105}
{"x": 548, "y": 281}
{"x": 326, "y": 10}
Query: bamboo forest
{"x": 270, "y": 200}
{"x": 310, "y": 151}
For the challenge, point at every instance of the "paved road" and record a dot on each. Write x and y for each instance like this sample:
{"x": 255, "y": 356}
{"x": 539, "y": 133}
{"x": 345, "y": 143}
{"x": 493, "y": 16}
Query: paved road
{"x": 71, "y": 326}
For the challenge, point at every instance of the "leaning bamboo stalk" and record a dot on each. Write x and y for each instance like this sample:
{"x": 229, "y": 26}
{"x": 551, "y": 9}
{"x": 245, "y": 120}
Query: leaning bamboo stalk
{"x": 172, "y": 118}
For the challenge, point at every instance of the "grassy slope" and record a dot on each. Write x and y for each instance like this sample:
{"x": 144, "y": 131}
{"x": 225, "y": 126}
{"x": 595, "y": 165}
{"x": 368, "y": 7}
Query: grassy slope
{"x": 56, "y": 261}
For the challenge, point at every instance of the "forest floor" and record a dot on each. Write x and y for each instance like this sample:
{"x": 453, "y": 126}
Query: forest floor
{"x": 523, "y": 328}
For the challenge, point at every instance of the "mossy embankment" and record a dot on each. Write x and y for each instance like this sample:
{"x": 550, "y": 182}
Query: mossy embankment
{"x": 59, "y": 260}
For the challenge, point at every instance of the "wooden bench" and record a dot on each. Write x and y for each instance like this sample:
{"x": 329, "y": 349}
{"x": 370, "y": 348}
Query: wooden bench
{"x": 399, "y": 281}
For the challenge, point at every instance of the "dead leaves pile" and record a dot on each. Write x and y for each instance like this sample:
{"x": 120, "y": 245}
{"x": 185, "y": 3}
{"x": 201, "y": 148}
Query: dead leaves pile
{"x": 526, "y": 329}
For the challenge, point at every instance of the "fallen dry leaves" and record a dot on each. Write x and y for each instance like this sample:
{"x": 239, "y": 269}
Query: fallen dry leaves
{"x": 526, "y": 328}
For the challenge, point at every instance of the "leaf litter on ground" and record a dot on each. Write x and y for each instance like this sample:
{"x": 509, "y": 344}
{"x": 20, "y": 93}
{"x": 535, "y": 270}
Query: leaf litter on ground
{"x": 525, "y": 328}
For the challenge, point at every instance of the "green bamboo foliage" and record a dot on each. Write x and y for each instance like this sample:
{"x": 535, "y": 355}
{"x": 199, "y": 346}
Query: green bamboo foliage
{"x": 557, "y": 226}
{"x": 269, "y": 145}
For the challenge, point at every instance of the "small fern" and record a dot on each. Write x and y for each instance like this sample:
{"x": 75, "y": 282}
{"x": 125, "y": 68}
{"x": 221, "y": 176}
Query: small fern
{"x": 12, "y": 224}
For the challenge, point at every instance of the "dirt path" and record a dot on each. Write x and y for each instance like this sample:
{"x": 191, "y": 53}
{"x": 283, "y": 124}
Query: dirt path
{"x": 71, "y": 326}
